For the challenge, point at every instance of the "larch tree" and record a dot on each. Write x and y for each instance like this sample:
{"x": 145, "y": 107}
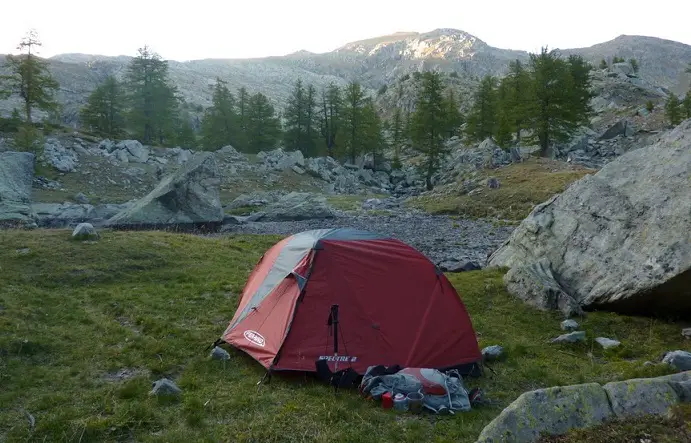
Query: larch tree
{"x": 104, "y": 111}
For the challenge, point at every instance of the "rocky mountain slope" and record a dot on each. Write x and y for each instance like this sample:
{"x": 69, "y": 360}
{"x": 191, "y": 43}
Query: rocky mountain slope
{"x": 374, "y": 62}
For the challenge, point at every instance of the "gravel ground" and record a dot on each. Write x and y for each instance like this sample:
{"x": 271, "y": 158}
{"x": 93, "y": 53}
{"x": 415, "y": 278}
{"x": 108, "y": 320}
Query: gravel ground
{"x": 441, "y": 238}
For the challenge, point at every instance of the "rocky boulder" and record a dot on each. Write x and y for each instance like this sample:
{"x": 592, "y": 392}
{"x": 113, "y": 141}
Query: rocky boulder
{"x": 618, "y": 239}
{"x": 132, "y": 151}
{"x": 298, "y": 206}
{"x": 189, "y": 198}
{"x": 61, "y": 158}
{"x": 278, "y": 159}
{"x": 16, "y": 178}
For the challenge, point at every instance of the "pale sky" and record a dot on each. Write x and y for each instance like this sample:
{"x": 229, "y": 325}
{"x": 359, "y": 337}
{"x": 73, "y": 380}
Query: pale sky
{"x": 256, "y": 28}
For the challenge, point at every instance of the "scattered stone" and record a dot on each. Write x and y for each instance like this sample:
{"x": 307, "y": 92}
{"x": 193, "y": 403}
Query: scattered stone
{"x": 135, "y": 151}
{"x": 23, "y": 251}
{"x": 81, "y": 198}
{"x": 298, "y": 170}
{"x": 569, "y": 325}
{"x": 681, "y": 360}
{"x": 607, "y": 343}
{"x": 686, "y": 333}
{"x": 219, "y": 354}
{"x": 573, "y": 337}
{"x": 493, "y": 353}
{"x": 189, "y": 197}
{"x": 85, "y": 231}
{"x": 493, "y": 183}
{"x": 458, "y": 266}
{"x": 123, "y": 374}
{"x": 617, "y": 239}
{"x": 165, "y": 387}
{"x": 61, "y": 158}
{"x": 299, "y": 206}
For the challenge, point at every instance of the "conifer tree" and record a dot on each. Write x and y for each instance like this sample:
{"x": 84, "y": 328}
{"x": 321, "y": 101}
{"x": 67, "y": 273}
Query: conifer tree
{"x": 372, "y": 132}
{"x": 300, "y": 117}
{"x": 559, "y": 103}
{"x": 263, "y": 127}
{"x": 686, "y": 105}
{"x": 517, "y": 98}
{"x": 603, "y": 64}
{"x": 220, "y": 123}
{"x": 332, "y": 103}
{"x": 29, "y": 78}
{"x": 105, "y": 109}
{"x": 184, "y": 132}
{"x": 153, "y": 101}
{"x": 397, "y": 128}
{"x": 482, "y": 118}
{"x": 429, "y": 124}
{"x": 453, "y": 114}
{"x": 503, "y": 128}
{"x": 673, "y": 110}
{"x": 353, "y": 104}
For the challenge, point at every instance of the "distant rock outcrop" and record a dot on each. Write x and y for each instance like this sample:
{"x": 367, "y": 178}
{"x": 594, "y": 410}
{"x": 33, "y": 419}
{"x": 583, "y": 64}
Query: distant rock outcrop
{"x": 189, "y": 198}
{"x": 16, "y": 178}
{"x": 619, "y": 239}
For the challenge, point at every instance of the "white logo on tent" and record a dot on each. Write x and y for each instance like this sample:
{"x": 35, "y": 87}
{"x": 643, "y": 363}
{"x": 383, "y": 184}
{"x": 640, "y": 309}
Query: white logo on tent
{"x": 254, "y": 337}
{"x": 340, "y": 358}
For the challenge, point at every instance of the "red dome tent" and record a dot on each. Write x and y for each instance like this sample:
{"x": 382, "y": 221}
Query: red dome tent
{"x": 394, "y": 306}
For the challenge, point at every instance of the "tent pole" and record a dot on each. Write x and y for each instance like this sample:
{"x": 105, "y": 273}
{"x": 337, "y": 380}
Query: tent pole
{"x": 334, "y": 315}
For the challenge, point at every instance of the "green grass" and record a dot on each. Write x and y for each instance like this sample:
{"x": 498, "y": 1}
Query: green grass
{"x": 73, "y": 314}
{"x": 522, "y": 187}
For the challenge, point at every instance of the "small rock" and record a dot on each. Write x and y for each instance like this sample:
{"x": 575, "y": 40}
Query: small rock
{"x": 572, "y": 337}
{"x": 457, "y": 266}
{"x": 81, "y": 198}
{"x": 493, "y": 183}
{"x": 23, "y": 251}
{"x": 648, "y": 363}
{"x": 85, "y": 231}
{"x": 681, "y": 360}
{"x": 165, "y": 387}
{"x": 607, "y": 343}
{"x": 493, "y": 353}
{"x": 686, "y": 333}
{"x": 297, "y": 169}
{"x": 219, "y": 354}
{"x": 569, "y": 325}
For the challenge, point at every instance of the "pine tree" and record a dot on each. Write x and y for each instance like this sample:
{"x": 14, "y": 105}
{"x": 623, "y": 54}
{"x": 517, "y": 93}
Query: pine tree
{"x": 686, "y": 105}
{"x": 559, "y": 102}
{"x": 263, "y": 127}
{"x": 372, "y": 132}
{"x": 518, "y": 97}
{"x": 503, "y": 128}
{"x": 105, "y": 108}
{"x": 29, "y": 78}
{"x": 453, "y": 114}
{"x": 398, "y": 130}
{"x": 332, "y": 103}
{"x": 354, "y": 102}
{"x": 673, "y": 110}
{"x": 429, "y": 124}
{"x": 152, "y": 100}
{"x": 483, "y": 114}
{"x": 184, "y": 132}
{"x": 634, "y": 65}
{"x": 603, "y": 64}
{"x": 220, "y": 123}
{"x": 300, "y": 120}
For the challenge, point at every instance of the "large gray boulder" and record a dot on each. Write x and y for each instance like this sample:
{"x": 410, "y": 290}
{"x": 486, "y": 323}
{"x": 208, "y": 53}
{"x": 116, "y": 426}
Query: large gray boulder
{"x": 16, "y": 178}
{"x": 617, "y": 239}
{"x": 61, "y": 158}
{"x": 552, "y": 411}
{"x": 189, "y": 198}
{"x": 298, "y": 206}
{"x": 555, "y": 411}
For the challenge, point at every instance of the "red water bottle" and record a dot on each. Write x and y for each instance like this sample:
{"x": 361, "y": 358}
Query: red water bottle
{"x": 386, "y": 400}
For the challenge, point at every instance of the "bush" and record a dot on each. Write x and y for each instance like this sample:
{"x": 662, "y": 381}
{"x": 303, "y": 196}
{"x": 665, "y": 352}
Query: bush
{"x": 603, "y": 64}
{"x": 406, "y": 77}
{"x": 454, "y": 74}
{"x": 634, "y": 64}
{"x": 382, "y": 90}
{"x": 650, "y": 106}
